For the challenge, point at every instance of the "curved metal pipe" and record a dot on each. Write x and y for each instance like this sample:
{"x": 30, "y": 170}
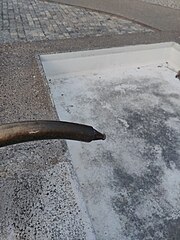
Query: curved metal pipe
{"x": 19, "y": 132}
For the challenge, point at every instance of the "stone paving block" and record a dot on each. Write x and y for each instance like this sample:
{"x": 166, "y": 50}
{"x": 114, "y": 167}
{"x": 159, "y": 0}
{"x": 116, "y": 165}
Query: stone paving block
{"x": 35, "y": 16}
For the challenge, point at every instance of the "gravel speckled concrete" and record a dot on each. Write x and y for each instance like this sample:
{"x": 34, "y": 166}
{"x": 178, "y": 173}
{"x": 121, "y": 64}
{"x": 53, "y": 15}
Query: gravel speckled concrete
{"x": 41, "y": 205}
{"x": 39, "y": 195}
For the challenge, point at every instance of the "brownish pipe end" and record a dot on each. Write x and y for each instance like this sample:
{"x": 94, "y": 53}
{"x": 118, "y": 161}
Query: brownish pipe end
{"x": 99, "y": 136}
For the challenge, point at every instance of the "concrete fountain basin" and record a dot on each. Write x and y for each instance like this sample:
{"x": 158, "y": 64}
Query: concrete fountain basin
{"x": 131, "y": 181}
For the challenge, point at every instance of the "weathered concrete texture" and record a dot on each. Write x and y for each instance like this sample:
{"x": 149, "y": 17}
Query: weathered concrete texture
{"x": 36, "y": 20}
{"x": 131, "y": 181}
{"x": 166, "y": 3}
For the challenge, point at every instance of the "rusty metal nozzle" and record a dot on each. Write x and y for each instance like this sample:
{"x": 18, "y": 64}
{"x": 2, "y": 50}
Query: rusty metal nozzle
{"x": 13, "y": 133}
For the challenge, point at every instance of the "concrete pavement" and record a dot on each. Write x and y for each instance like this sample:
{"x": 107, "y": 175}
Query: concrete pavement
{"x": 166, "y": 3}
{"x": 156, "y": 16}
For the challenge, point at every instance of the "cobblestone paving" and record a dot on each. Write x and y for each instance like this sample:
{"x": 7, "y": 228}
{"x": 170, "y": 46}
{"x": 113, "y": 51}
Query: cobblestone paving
{"x": 167, "y": 3}
{"x": 23, "y": 20}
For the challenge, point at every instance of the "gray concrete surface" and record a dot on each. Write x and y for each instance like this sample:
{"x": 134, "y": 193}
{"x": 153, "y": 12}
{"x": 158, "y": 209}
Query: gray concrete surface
{"x": 131, "y": 181}
{"x": 166, "y": 3}
{"x": 155, "y": 16}
{"x": 36, "y": 20}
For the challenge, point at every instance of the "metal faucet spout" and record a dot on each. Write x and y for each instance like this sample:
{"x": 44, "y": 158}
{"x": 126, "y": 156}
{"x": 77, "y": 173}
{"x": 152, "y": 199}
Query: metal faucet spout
{"x": 13, "y": 133}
